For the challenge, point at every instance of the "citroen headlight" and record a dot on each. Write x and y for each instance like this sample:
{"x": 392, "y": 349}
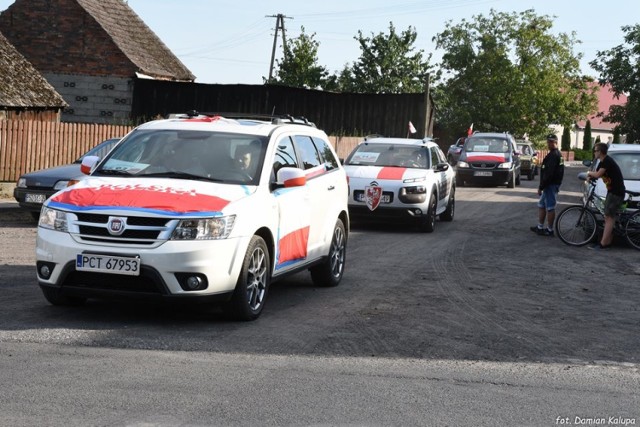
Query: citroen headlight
{"x": 53, "y": 219}
{"x": 419, "y": 179}
{"x": 461, "y": 164}
{"x": 22, "y": 183}
{"x": 505, "y": 165}
{"x": 204, "y": 229}
{"x": 60, "y": 185}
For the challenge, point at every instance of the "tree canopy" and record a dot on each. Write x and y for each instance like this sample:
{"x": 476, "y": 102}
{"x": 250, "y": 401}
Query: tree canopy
{"x": 620, "y": 67}
{"x": 388, "y": 63}
{"x": 299, "y": 65}
{"x": 509, "y": 72}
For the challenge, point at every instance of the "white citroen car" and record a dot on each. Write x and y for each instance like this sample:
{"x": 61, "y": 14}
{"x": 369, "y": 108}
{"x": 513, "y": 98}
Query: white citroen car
{"x": 198, "y": 207}
{"x": 401, "y": 180}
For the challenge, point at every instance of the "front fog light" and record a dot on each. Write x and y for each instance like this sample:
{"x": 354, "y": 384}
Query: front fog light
{"x": 44, "y": 269}
{"x": 192, "y": 281}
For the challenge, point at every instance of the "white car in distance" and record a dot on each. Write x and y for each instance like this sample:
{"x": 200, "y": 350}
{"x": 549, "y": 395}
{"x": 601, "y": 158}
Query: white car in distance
{"x": 400, "y": 180}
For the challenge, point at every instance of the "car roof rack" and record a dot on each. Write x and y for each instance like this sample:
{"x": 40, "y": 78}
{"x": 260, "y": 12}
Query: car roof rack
{"x": 276, "y": 119}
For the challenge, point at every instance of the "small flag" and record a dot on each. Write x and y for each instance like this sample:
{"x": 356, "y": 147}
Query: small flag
{"x": 470, "y": 131}
{"x": 412, "y": 129}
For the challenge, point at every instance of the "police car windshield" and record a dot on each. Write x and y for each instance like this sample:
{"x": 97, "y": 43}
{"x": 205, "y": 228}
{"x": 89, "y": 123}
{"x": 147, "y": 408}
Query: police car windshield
{"x": 389, "y": 155}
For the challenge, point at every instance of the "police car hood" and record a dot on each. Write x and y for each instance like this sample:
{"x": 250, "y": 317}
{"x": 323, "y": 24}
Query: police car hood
{"x": 486, "y": 157}
{"x": 123, "y": 196}
{"x": 393, "y": 173}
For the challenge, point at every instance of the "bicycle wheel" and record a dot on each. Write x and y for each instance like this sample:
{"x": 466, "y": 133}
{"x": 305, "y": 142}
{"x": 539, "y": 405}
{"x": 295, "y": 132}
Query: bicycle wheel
{"x": 632, "y": 230}
{"x": 576, "y": 226}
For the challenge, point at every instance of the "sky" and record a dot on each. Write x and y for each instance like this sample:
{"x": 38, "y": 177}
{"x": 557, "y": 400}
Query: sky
{"x": 229, "y": 42}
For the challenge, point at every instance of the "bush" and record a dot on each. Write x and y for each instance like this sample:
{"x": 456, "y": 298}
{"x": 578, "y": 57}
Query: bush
{"x": 582, "y": 155}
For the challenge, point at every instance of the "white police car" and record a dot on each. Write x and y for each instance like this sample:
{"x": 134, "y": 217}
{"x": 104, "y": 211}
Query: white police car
{"x": 397, "y": 179}
{"x": 169, "y": 213}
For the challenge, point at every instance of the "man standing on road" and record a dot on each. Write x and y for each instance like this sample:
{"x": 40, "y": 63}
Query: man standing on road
{"x": 611, "y": 175}
{"x": 551, "y": 174}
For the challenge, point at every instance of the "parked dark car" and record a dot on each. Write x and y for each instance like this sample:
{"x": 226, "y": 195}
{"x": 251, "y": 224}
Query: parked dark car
{"x": 528, "y": 159}
{"x": 35, "y": 187}
{"x": 489, "y": 158}
{"x": 453, "y": 154}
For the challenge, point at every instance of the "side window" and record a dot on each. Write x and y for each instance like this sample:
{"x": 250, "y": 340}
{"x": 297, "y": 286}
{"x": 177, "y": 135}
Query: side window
{"x": 307, "y": 151}
{"x": 285, "y": 156}
{"x": 434, "y": 157}
{"x": 323, "y": 148}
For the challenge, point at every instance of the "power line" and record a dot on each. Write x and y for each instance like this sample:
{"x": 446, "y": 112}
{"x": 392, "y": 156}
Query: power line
{"x": 279, "y": 26}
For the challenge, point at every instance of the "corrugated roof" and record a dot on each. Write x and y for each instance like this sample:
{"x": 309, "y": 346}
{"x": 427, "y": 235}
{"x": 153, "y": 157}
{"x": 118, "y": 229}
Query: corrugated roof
{"x": 21, "y": 84}
{"x": 605, "y": 100}
{"x": 136, "y": 40}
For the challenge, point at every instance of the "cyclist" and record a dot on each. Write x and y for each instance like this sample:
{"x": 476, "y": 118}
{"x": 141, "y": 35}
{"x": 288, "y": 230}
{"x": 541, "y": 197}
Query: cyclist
{"x": 551, "y": 174}
{"x": 611, "y": 175}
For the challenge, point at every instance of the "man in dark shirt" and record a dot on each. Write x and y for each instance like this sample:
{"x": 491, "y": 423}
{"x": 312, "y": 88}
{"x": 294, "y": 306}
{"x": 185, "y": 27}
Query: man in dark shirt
{"x": 551, "y": 174}
{"x": 611, "y": 175}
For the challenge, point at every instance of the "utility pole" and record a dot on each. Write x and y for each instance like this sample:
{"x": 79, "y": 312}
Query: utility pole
{"x": 279, "y": 26}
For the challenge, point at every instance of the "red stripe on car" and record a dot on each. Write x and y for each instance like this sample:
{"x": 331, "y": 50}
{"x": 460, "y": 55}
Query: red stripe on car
{"x": 147, "y": 198}
{"x": 391, "y": 173}
{"x": 294, "y": 245}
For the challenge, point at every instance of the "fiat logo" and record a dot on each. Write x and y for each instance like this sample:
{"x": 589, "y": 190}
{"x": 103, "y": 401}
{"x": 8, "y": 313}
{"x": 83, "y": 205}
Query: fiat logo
{"x": 116, "y": 225}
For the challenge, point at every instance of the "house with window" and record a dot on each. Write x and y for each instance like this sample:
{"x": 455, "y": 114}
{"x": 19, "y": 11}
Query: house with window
{"x": 599, "y": 127}
{"x": 92, "y": 52}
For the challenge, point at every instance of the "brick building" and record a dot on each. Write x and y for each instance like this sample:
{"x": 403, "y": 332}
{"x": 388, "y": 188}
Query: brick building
{"x": 92, "y": 52}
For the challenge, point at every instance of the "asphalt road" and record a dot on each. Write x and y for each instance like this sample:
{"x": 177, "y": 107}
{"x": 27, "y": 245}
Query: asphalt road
{"x": 481, "y": 323}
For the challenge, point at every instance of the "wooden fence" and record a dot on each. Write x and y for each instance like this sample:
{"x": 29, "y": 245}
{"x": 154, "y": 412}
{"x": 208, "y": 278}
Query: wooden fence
{"x": 27, "y": 146}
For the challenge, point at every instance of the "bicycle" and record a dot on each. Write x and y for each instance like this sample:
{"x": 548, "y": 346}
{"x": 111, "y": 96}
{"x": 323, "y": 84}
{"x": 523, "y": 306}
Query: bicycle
{"x": 577, "y": 225}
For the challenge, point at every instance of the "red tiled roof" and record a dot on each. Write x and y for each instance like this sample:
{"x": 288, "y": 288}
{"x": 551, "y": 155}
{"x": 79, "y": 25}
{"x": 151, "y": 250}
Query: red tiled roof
{"x": 606, "y": 99}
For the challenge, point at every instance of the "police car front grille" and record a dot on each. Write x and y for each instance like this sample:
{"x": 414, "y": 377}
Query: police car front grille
{"x": 128, "y": 234}
{"x": 144, "y": 283}
{"x": 131, "y": 220}
{"x": 93, "y": 228}
{"x": 483, "y": 165}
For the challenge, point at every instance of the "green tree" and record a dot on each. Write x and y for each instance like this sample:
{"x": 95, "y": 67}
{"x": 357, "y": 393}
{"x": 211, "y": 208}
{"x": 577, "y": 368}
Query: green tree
{"x": 299, "y": 66}
{"x": 586, "y": 140}
{"x": 565, "y": 144}
{"x": 510, "y": 72}
{"x": 388, "y": 63}
{"x": 620, "y": 67}
{"x": 616, "y": 136}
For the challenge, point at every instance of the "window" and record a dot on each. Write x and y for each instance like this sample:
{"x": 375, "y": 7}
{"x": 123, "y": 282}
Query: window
{"x": 434, "y": 157}
{"x": 307, "y": 151}
{"x": 285, "y": 156}
{"x": 330, "y": 160}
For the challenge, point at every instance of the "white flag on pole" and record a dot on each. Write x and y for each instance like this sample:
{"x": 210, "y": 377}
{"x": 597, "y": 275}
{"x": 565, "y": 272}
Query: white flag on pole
{"x": 412, "y": 129}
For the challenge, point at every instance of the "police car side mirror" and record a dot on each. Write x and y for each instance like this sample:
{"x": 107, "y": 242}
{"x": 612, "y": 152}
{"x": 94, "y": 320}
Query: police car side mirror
{"x": 88, "y": 162}
{"x": 291, "y": 177}
{"x": 441, "y": 167}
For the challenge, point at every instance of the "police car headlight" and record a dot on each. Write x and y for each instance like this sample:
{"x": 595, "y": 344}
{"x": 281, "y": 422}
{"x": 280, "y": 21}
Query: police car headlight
{"x": 505, "y": 165}
{"x": 22, "y": 183}
{"x": 461, "y": 164}
{"x": 419, "y": 179}
{"x": 53, "y": 219}
{"x": 204, "y": 229}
